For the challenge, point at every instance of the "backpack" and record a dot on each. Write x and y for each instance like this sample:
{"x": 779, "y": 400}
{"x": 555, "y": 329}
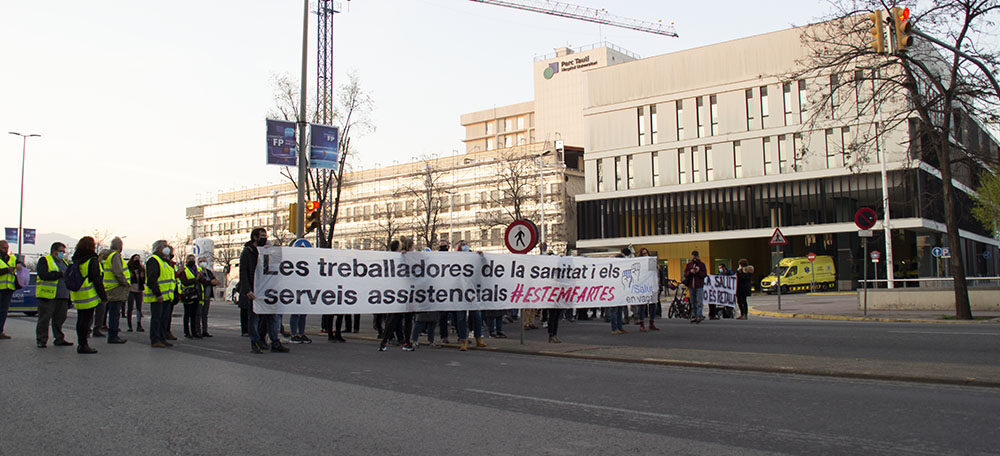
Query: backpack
{"x": 74, "y": 277}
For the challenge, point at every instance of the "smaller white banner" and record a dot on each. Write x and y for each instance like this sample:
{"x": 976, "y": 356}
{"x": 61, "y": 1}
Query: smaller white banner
{"x": 720, "y": 290}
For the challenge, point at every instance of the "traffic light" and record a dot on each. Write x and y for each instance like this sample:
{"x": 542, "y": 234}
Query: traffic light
{"x": 902, "y": 28}
{"x": 878, "y": 32}
{"x": 293, "y": 217}
{"x": 312, "y": 216}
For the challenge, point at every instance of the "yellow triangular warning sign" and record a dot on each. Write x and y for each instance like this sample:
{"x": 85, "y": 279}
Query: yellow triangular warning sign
{"x": 777, "y": 238}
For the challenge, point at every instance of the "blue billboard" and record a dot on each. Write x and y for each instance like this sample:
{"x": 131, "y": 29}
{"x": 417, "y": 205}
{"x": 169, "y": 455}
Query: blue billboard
{"x": 281, "y": 148}
{"x": 29, "y": 235}
{"x": 11, "y": 235}
{"x": 323, "y": 146}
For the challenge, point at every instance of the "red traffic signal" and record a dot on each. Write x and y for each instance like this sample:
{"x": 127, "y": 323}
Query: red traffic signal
{"x": 311, "y": 206}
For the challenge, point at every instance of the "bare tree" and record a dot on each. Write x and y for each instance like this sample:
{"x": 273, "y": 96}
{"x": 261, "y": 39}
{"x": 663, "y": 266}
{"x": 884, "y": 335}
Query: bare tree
{"x": 225, "y": 255}
{"x": 101, "y": 236}
{"x": 389, "y": 220}
{"x": 937, "y": 87}
{"x": 430, "y": 195}
{"x": 517, "y": 175}
{"x": 352, "y": 112}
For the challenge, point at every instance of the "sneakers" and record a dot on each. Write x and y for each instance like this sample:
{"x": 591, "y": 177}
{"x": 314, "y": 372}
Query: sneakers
{"x": 139, "y": 329}
{"x": 501, "y": 335}
{"x": 445, "y": 341}
{"x": 296, "y": 340}
{"x": 117, "y": 340}
{"x": 85, "y": 350}
{"x": 97, "y": 333}
{"x": 408, "y": 347}
{"x": 158, "y": 345}
{"x": 62, "y": 343}
{"x": 279, "y": 349}
{"x": 4, "y": 336}
{"x": 254, "y": 348}
{"x": 554, "y": 340}
{"x": 41, "y": 345}
{"x": 305, "y": 340}
{"x": 383, "y": 348}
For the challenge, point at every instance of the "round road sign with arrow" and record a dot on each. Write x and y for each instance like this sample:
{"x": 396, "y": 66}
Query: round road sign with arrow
{"x": 521, "y": 236}
{"x": 865, "y": 218}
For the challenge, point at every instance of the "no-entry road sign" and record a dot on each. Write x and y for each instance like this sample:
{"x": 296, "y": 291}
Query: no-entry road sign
{"x": 811, "y": 256}
{"x": 865, "y": 218}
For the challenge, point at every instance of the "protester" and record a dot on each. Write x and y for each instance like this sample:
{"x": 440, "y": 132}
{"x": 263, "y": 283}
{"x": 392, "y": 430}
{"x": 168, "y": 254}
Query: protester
{"x": 248, "y": 267}
{"x": 53, "y": 296}
{"x": 649, "y": 309}
{"x": 244, "y": 310}
{"x": 90, "y": 294}
{"x": 208, "y": 282}
{"x": 116, "y": 278}
{"x": 744, "y": 280}
{"x": 8, "y": 266}
{"x": 400, "y": 324}
{"x": 475, "y": 317}
{"x": 694, "y": 278}
{"x": 443, "y": 317}
{"x": 137, "y": 277}
{"x": 614, "y": 314}
{"x": 713, "y": 312}
{"x": 159, "y": 292}
{"x": 191, "y": 291}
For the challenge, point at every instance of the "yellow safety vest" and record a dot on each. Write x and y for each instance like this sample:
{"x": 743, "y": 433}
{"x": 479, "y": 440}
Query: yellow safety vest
{"x": 86, "y": 297}
{"x": 110, "y": 283}
{"x": 7, "y": 280}
{"x": 166, "y": 283}
{"x": 46, "y": 289}
{"x": 189, "y": 276}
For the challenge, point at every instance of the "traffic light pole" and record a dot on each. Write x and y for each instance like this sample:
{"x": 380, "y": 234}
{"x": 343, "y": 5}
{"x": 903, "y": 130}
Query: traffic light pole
{"x": 299, "y": 215}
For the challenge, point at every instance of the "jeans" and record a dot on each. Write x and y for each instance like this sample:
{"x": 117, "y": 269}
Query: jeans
{"x": 698, "y": 302}
{"x": 461, "y": 326}
{"x": 51, "y": 311}
{"x": 298, "y": 324}
{"x": 114, "y": 318}
{"x": 419, "y": 327}
{"x": 554, "y": 316}
{"x": 494, "y": 324}
{"x": 400, "y": 326}
{"x": 203, "y": 312}
{"x": 443, "y": 323}
{"x": 640, "y": 312}
{"x": 134, "y": 299}
{"x": 83, "y": 319}
{"x": 5, "y": 296}
{"x": 476, "y": 320}
{"x": 616, "y": 318}
{"x": 270, "y": 326}
{"x": 159, "y": 321}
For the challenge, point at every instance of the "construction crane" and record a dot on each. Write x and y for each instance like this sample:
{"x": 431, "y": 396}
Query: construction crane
{"x": 583, "y": 13}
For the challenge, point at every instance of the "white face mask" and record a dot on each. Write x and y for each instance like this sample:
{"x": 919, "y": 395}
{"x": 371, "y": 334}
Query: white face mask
{"x": 203, "y": 264}
{"x": 166, "y": 251}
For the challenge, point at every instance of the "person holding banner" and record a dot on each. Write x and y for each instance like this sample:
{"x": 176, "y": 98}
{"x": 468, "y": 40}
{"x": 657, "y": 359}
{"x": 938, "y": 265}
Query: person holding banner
{"x": 694, "y": 278}
{"x": 647, "y": 309}
{"x": 744, "y": 279}
{"x": 396, "y": 326}
{"x": 260, "y": 325}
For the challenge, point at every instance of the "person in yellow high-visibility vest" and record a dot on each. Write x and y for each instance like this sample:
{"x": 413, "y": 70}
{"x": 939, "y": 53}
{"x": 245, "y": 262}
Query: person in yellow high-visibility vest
{"x": 53, "y": 296}
{"x": 8, "y": 266}
{"x": 116, "y": 277}
{"x": 191, "y": 294}
{"x": 91, "y": 294}
{"x": 159, "y": 293}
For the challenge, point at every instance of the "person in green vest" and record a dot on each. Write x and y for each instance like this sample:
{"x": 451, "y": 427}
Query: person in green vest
{"x": 53, "y": 296}
{"x": 90, "y": 295}
{"x": 8, "y": 266}
{"x": 116, "y": 277}
{"x": 191, "y": 294}
{"x": 159, "y": 293}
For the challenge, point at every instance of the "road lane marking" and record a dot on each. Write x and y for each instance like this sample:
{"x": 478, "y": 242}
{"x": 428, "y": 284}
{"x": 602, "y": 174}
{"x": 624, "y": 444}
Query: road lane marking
{"x": 209, "y": 349}
{"x": 950, "y": 333}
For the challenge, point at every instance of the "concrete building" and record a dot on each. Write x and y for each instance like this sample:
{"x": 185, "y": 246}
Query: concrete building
{"x": 712, "y": 148}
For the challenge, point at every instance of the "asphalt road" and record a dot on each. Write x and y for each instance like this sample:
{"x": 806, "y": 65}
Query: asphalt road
{"x": 215, "y": 397}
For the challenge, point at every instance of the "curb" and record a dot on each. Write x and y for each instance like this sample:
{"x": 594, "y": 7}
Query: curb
{"x": 767, "y": 313}
{"x": 968, "y": 381}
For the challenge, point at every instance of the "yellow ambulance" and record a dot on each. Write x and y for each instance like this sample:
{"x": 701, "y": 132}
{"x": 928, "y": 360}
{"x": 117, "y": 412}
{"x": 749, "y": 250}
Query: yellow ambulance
{"x": 797, "y": 275}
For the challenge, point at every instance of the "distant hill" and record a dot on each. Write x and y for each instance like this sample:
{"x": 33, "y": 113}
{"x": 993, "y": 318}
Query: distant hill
{"x": 43, "y": 241}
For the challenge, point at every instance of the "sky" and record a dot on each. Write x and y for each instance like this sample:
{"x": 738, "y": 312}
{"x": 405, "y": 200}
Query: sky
{"x": 146, "y": 108}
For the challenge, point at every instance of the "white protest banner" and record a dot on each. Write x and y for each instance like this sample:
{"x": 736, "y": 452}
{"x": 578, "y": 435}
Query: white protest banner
{"x": 325, "y": 281}
{"x": 720, "y": 290}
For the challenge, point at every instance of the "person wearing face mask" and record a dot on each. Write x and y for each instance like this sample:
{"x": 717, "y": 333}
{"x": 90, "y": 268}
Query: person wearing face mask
{"x": 8, "y": 266}
{"x": 475, "y": 317}
{"x": 116, "y": 282}
{"x": 158, "y": 293}
{"x": 400, "y": 324}
{"x": 208, "y": 283}
{"x": 137, "y": 278}
{"x": 191, "y": 291}
{"x": 248, "y": 266}
{"x": 53, "y": 296}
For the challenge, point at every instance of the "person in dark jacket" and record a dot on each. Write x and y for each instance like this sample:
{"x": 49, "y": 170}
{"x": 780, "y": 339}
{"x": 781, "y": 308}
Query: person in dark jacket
{"x": 248, "y": 267}
{"x": 695, "y": 273}
{"x": 744, "y": 280}
{"x": 400, "y": 324}
{"x": 137, "y": 279}
{"x": 161, "y": 306}
{"x": 86, "y": 252}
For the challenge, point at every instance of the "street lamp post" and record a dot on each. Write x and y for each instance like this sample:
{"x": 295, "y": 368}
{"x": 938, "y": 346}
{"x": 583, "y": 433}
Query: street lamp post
{"x": 20, "y": 215}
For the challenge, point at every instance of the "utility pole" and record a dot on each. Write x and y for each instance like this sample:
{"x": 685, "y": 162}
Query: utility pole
{"x": 300, "y": 224}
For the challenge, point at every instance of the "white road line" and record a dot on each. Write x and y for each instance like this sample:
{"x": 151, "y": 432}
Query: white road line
{"x": 209, "y": 349}
{"x": 576, "y": 404}
{"x": 950, "y": 333}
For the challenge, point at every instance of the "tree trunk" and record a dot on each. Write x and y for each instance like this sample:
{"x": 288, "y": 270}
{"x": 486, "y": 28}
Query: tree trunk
{"x": 963, "y": 310}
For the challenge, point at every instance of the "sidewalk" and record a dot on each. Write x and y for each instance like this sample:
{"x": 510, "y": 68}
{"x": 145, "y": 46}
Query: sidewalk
{"x": 861, "y": 368}
{"x": 844, "y": 306}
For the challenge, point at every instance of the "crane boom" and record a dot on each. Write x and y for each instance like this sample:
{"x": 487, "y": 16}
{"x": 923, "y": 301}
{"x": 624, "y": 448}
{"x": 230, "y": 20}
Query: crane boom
{"x": 583, "y": 13}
